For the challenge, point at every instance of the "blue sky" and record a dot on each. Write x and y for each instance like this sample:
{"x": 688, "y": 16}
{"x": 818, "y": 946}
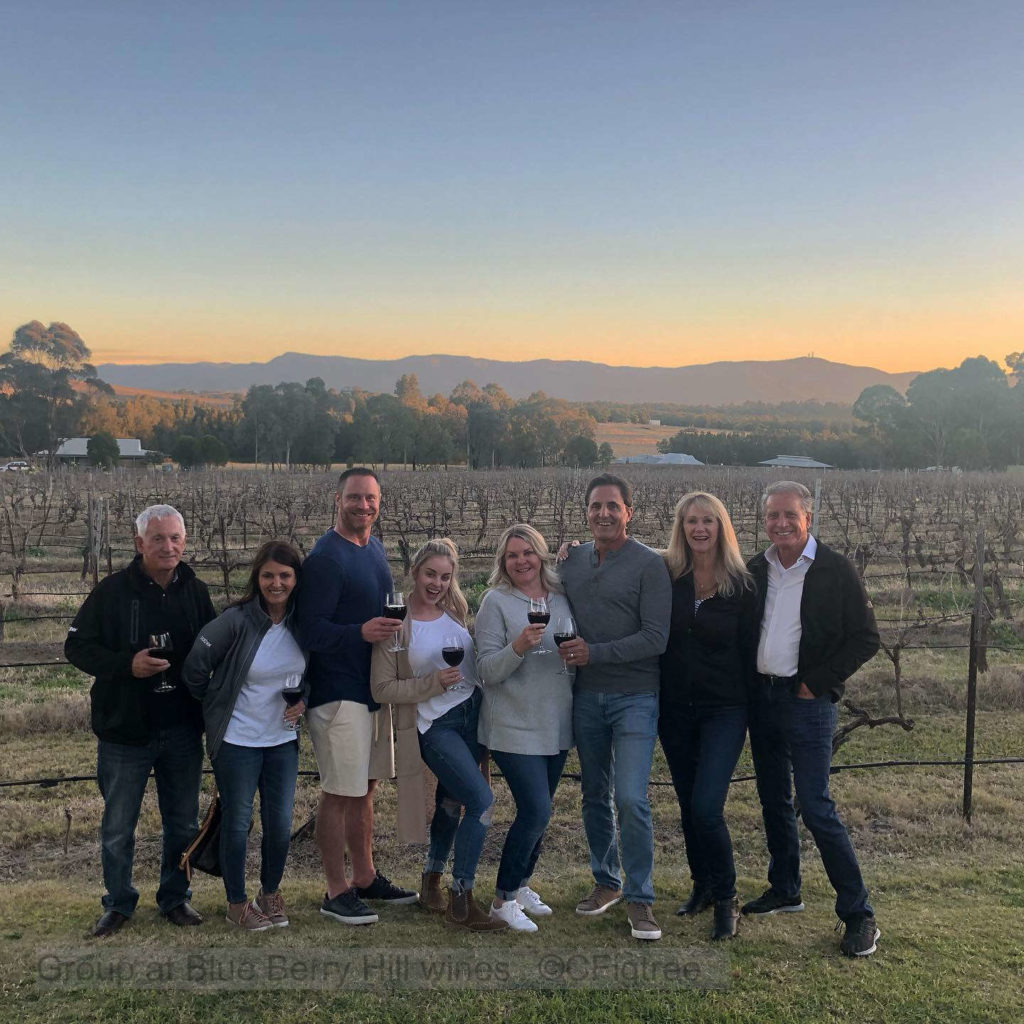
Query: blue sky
{"x": 650, "y": 183}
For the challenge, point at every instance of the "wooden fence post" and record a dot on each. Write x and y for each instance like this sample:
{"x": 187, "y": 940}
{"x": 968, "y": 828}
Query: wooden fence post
{"x": 972, "y": 672}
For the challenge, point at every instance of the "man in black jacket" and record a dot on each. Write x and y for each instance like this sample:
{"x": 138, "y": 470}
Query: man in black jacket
{"x": 817, "y": 629}
{"x": 140, "y": 730}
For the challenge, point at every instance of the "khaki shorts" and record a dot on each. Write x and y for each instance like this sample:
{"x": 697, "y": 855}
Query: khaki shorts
{"x": 352, "y": 744}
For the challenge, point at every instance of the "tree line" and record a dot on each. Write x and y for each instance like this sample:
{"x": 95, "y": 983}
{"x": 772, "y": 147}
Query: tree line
{"x": 49, "y": 391}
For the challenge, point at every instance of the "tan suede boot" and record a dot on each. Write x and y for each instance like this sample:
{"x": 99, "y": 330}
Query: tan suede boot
{"x": 432, "y": 896}
{"x": 463, "y": 912}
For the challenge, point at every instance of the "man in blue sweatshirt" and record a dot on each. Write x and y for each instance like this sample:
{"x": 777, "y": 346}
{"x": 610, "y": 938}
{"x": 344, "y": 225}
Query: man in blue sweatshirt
{"x": 345, "y": 581}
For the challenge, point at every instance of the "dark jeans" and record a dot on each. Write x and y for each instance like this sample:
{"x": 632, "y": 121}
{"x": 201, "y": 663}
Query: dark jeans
{"x": 450, "y": 750}
{"x": 175, "y": 756}
{"x": 240, "y": 771}
{"x": 791, "y": 735}
{"x": 532, "y": 779}
{"x": 702, "y": 746}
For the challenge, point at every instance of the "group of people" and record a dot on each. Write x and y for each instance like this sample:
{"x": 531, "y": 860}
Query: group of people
{"x": 607, "y": 647}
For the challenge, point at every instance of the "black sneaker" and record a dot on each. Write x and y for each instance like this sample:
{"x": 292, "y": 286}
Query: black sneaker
{"x": 348, "y": 908}
{"x": 770, "y": 902}
{"x": 862, "y": 935}
{"x": 382, "y": 888}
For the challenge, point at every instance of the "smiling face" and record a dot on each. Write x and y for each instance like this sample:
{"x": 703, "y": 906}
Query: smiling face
{"x": 700, "y": 528}
{"x": 357, "y": 506}
{"x": 608, "y": 516}
{"x": 276, "y": 582}
{"x": 432, "y": 579}
{"x": 161, "y": 546}
{"x": 522, "y": 563}
{"x": 787, "y": 525}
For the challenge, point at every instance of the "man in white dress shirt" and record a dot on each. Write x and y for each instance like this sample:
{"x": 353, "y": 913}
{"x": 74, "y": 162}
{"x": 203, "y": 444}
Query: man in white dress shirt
{"x": 817, "y": 629}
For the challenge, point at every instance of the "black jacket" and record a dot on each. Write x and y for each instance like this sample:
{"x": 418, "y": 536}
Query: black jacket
{"x": 710, "y": 656}
{"x": 837, "y": 624}
{"x": 114, "y": 624}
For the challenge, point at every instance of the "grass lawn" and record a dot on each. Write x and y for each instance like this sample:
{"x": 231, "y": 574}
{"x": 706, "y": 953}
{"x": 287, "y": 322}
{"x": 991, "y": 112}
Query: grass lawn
{"x": 948, "y": 896}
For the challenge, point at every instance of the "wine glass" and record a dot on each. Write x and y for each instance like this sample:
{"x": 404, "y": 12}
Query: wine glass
{"x": 453, "y": 652}
{"x": 394, "y": 608}
{"x": 565, "y": 630}
{"x": 160, "y": 645}
{"x": 291, "y": 690}
{"x": 537, "y": 614}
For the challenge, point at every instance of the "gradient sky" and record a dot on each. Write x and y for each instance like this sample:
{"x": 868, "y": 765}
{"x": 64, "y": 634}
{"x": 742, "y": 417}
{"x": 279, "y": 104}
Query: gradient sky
{"x": 649, "y": 183}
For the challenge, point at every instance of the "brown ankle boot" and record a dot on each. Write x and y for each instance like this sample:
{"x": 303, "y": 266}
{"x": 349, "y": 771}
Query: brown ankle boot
{"x": 431, "y": 894}
{"x": 463, "y": 912}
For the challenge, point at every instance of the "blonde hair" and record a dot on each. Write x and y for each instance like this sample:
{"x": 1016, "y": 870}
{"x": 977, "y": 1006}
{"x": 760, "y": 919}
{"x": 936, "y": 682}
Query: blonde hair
{"x": 523, "y": 531}
{"x": 454, "y": 601}
{"x": 729, "y": 567}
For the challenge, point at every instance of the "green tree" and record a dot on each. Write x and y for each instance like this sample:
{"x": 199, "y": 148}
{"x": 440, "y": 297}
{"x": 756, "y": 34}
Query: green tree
{"x": 581, "y": 451}
{"x": 187, "y": 452}
{"x": 39, "y": 405}
{"x": 212, "y": 451}
{"x": 605, "y": 454}
{"x": 102, "y": 450}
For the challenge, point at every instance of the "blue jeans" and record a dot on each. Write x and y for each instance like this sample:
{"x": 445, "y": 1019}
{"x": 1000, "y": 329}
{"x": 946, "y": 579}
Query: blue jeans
{"x": 450, "y": 750}
{"x": 791, "y": 735}
{"x": 240, "y": 771}
{"x": 702, "y": 746}
{"x": 615, "y": 735}
{"x": 175, "y": 756}
{"x": 532, "y": 779}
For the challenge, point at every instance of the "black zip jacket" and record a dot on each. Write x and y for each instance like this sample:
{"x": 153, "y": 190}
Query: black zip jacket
{"x": 219, "y": 662}
{"x": 113, "y": 625}
{"x": 710, "y": 656}
{"x": 837, "y": 623}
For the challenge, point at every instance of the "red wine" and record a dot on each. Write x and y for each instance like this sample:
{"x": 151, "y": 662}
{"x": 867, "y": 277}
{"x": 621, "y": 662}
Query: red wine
{"x": 564, "y": 638}
{"x": 395, "y": 611}
{"x": 291, "y": 697}
{"x": 159, "y": 652}
{"x": 453, "y": 655}
{"x": 538, "y": 618}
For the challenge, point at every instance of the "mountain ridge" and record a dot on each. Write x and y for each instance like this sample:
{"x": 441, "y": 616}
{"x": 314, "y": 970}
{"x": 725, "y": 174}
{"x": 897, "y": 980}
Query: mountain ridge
{"x": 717, "y": 383}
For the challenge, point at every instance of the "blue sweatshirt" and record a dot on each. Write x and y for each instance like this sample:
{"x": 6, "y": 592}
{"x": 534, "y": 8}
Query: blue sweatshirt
{"x": 343, "y": 585}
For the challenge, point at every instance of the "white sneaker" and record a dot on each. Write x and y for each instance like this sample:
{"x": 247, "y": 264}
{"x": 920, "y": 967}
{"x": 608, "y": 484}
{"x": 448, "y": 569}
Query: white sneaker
{"x": 512, "y": 914}
{"x": 532, "y": 903}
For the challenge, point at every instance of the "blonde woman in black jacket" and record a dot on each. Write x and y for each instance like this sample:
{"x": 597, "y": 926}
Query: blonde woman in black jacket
{"x": 705, "y": 679}
{"x": 238, "y": 668}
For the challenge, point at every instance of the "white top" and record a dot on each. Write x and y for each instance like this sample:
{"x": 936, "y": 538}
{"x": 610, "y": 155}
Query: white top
{"x": 258, "y": 716}
{"x": 778, "y": 650}
{"x": 426, "y": 638}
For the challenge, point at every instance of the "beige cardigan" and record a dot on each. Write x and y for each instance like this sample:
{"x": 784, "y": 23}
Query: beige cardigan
{"x": 392, "y": 682}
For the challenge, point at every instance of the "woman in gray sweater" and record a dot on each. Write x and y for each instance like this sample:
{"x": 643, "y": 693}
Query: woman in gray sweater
{"x": 526, "y": 715}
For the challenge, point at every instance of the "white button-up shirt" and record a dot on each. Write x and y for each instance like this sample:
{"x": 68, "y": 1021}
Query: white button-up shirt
{"x": 778, "y": 650}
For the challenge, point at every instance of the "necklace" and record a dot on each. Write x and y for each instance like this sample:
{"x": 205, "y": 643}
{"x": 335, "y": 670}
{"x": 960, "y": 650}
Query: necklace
{"x": 703, "y": 591}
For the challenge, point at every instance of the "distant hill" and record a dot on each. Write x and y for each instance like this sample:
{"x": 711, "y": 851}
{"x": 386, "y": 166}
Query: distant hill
{"x": 707, "y": 384}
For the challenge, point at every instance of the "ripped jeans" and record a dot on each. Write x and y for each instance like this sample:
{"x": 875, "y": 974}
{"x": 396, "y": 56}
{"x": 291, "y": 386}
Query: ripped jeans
{"x": 450, "y": 749}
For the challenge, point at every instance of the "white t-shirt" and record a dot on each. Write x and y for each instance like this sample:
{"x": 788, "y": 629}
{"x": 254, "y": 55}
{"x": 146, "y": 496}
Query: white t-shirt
{"x": 258, "y": 717}
{"x": 425, "y": 642}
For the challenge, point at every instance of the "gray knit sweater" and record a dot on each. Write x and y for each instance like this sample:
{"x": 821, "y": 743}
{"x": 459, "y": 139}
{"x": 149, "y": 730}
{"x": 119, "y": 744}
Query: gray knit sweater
{"x": 622, "y": 607}
{"x": 527, "y": 705}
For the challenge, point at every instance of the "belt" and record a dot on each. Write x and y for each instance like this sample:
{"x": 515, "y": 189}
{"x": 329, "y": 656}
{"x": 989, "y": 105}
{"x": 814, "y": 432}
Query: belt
{"x": 773, "y": 681}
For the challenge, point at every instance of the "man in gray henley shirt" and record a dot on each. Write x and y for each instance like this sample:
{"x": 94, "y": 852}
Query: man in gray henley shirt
{"x": 621, "y": 597}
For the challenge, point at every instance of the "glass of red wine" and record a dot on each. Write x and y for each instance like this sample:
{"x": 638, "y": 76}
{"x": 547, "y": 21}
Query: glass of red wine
{"x": 160, "y": 645}
{"x": 394, "y": 608}
{"x": 292, "y": 693}
{"x": 565, "y": 630}
{"x": 453, "y": 652}
{"x": 538, "y": 614}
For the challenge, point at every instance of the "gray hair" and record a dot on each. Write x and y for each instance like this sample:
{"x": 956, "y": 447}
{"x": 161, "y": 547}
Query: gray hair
{"x": 789, "y": 487}
{"x": 147, "y": 515}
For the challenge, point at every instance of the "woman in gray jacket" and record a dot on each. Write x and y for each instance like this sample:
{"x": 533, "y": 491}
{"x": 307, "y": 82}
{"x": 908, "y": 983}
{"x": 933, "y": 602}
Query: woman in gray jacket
{"x": 238, "y": 667}
{"x": 526, "y": 715}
